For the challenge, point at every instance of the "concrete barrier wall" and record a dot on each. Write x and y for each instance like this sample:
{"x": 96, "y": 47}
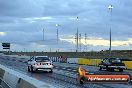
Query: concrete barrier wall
{"x": 128, "y": 64}
{"x": 10, "y": 79}
{"x": 2, "y": 72}
{"x": 85, "y": 61}
{"x": 72, "y": 60}
{"x": 14, "y": 79}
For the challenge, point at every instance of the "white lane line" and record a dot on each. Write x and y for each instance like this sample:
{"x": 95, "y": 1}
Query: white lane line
{"x": 68, "y": 69}
{"x": 63, "y": 68}
{"x": 72, "y": 73}
{"x": 74, "y": 70}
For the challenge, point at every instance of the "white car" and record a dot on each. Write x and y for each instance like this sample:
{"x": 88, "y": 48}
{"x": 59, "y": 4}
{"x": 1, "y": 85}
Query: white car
{"x": 40, "y": 63}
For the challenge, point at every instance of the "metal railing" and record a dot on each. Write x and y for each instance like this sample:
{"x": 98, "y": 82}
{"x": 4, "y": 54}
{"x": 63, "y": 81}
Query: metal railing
{"x": 3, "y": 84}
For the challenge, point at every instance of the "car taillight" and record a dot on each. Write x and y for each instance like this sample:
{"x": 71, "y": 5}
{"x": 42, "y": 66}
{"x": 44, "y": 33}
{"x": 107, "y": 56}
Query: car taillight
{"x": 49, "y": 64}
{"x": 36, "y": 64}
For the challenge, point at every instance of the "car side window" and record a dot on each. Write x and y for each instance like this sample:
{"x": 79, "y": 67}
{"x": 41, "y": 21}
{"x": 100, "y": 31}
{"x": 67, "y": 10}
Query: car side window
{"x": 32, "y": 58}
{"x": 107, "y": 61}
{"x": 104, "y": 60}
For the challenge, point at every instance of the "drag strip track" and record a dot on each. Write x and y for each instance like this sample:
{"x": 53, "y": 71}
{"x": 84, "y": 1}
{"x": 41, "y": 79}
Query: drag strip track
{"x": 60, "y": 77}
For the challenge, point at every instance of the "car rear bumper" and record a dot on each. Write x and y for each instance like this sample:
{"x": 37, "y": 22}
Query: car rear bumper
{"x": 43, "y": 67}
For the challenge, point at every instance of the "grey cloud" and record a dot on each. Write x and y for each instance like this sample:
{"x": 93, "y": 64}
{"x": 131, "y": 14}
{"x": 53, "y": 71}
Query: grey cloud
{"x": 20, "y": 8}
{"x": 93, "y": 14}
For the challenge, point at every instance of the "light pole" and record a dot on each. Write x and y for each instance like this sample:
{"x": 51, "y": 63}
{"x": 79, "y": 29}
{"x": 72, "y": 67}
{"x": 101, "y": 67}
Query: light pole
{"x": 80, "y": 42}
{"x": 110, "y": 7}
{"x": 43, "y": 34}
{"x": 86, "y": 42}
{"x": 57, "y": 32}
{"x": 77, "y": 34}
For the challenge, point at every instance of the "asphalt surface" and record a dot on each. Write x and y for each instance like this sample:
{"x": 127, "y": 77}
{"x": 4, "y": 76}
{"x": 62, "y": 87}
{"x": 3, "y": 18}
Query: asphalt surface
{"x": 63, "y": 75}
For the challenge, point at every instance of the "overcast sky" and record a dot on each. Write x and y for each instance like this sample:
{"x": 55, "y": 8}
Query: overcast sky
{"x": 22, "y": 23}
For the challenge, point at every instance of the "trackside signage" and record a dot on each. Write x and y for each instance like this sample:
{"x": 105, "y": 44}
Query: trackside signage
{"x": 108, "y": 78}
{"x": 82, "y": 77}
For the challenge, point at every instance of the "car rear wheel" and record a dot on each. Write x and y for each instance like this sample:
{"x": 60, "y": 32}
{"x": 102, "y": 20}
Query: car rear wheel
{"x": 32, "y": 69}
{"x": 121, "y": 70}
{"x": 51, "y": 71}
{"x": 107, "y": 68}
{"x": 29, "y": 69}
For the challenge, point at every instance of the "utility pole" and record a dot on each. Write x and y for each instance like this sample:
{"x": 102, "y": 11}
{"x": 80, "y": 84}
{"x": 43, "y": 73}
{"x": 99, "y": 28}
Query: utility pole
{"x": 80, "y": 42}
{"x": 43, "y": 34}
{"x": 57, "y": 35}
{"x": 50, "y": 49}
{"x": 57, "y": 32}
{"x": 86, "y": 42}
{"x": 77, "y": 39}
{"x": 75, "y": 42}
{"x": 77, "y": 34}
{"x": 110, "y": 7}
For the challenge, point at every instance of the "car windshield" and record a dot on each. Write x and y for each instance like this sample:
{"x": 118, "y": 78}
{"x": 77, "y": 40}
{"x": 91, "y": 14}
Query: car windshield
{"x": 42, "y": 59}
{"x": 115, "y": 60}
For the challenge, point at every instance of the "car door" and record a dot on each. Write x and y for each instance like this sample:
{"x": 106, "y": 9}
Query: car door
{"x": 105, "y": 62}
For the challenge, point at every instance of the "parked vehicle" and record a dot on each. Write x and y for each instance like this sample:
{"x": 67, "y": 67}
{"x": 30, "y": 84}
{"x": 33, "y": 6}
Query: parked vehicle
{"x": 112, "y": 63}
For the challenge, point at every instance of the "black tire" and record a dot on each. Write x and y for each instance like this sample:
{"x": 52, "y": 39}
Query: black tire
{"x": 100, "y": 68}
{"x": 108, "y": 69}
{"x": 29, "y": 69}
{"x": 120, "y": 70}
{"x": 112, "y": 69}
{"x": 51, "y": 71}
{"x": 32, "y": 69}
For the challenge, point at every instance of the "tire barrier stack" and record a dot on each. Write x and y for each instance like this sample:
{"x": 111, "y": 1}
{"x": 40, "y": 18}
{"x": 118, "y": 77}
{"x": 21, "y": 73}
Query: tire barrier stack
{"x": 13, "y": 79}
{"x": 58, "y": 59}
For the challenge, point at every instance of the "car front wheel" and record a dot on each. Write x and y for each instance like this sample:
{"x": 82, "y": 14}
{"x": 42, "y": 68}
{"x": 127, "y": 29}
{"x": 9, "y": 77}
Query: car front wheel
{"x": 121, "y": 70}
{"x": 100, "y": 68}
